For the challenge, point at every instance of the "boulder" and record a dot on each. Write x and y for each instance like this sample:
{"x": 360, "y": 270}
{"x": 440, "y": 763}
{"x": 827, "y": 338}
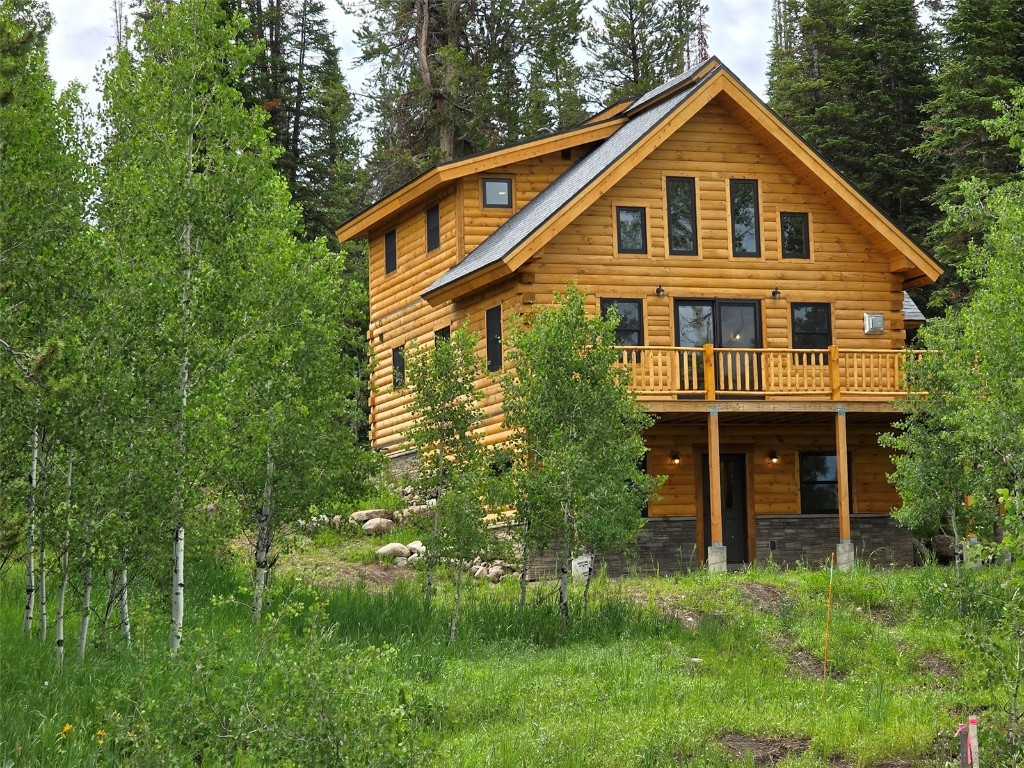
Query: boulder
{"x": 379, "y": 525}
{"x": 415, "y": 509}
{"x": 417, "y": 547}
{"x": 364, "y": 515}
{"x": 413, "y": 558}
{"x": 494, "y": 573}
{"x": 400, "y": 562}
{"x": 336, "y": 522}
{"x": 479, "y": 572}
{"x": 392, "y": 550}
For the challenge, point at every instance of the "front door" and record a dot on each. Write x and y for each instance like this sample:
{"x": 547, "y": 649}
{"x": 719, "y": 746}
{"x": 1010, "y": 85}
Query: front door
{"x": 728, "y": 324}
{"x": 734, "y": 505}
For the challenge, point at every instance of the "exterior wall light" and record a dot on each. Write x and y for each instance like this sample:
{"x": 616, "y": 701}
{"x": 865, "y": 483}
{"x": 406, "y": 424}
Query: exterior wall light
{"x": 659, "y": 292}
{"x": 674, "y": 456}
{"x": 773, "y": 458}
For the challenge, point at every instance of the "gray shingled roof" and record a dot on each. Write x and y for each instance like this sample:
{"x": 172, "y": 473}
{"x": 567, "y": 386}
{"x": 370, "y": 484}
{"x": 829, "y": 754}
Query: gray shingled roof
{"x": 669, "y": 85}
{"x": 910, "y": 310}
{"x": 564, "y": 189}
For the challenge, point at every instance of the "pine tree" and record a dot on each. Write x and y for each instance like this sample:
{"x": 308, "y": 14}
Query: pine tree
{"x": 851, "y": 77}
{"x": 982, "y": 62}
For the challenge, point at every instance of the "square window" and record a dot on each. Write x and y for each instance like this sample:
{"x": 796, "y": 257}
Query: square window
{"x": 812, "y": 326}
{"x": 433, "y": 227}
{"x": 630, "y": 330}
{"x": 819, "y": 482}
{"x": 497, "y": 193}
{"x": 746, "y": 235}
{"x": 796, "y": 243}
{"x": 631, "y": 229}
{"x": 680, "y": 194}
{"x": 493, "y": 331}
{"x": 390, "y": 252}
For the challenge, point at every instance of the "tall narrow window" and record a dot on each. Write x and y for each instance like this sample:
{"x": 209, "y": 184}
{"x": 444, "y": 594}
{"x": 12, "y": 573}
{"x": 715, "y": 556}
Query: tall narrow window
{"x": 631, "y": 229}
{"x": 433, "y": 227}
{"x": 497, "y": 193}
{"x": 796, "y": 243}
{"x": 630, "y": 330}
{"x": 812, "y": 326}
{"x": 398, "y": 367}
{"x": 390, "y": 252}
{"x": 746, "y": 236}
{"x": 680, "y": 195}
{"x": 493, "y": 323}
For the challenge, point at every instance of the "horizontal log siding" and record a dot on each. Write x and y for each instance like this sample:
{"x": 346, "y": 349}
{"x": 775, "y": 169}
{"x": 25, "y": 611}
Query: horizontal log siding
{"x": 776, "y": 488}
{"x": 847, "y": 269}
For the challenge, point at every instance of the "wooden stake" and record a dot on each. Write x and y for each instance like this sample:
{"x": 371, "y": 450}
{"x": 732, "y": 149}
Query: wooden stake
{"x": 828, "y": 623}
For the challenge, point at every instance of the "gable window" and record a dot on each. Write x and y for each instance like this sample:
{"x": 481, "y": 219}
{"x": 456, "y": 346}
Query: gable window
{"x": 746, "y": 235}
{"x": 433, "y": 227}
{"x": 631, "y": 229}
{"x": 398, "y": 367}
{"x": 630, "y": 330}
{"x": 796, "y": 242}
{"x": 812, "y": 326}
{"x": 497, "y": 193}
{"x": 681, "y": 199}
{"x": 819, "y": 483}
{"x": 390, "y": 252}
{"x": 493, "y": 331}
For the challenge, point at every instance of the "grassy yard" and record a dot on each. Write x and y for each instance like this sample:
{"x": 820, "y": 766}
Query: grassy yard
{"x": 698, "y": 670}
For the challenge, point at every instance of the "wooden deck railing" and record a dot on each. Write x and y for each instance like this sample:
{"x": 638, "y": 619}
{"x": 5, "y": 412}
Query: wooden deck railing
{"x": 711, "y": 372}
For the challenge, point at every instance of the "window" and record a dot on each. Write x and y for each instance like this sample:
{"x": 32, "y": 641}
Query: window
{"x": 746, "y": 237}
{"x": 398, "y": 367}
{"x": 497, "y": 193}
{"x": 812, "y": 326}
{"x": 796, "y": 243}
{"x": 493, "y": 323}
{"x": 631, "y": 229}
{"x": 630, "y": 331}
{"x": 819, "y": 483}
{"x": 681, "y": 198}
{"x": 443, "y": 334}
{"x": 433, "y": 227}
{"x": 390, "y": 252}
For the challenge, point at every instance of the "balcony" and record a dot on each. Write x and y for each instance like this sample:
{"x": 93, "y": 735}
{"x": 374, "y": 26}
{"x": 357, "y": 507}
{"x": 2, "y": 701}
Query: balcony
{"x": 711, "y": 373}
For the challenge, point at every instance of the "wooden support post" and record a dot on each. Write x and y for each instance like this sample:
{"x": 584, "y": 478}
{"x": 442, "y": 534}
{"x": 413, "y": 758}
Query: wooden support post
{"x": 833, "y": 371}
{"x": 715, "y": 477}
{"x": 844, "y": 552}
{"x": 709, "y": 372}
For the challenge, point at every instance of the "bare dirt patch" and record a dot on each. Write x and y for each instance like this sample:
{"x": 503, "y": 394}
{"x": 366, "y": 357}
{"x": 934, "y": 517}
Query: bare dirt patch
{"x": 809, "y": 665}
{"x": 667, "y": 607}
{"x": 764, "y": 597}
{"x": 936, "y": 666}
{"x": 764, "y": 751}
{"x": 317, "y": 567}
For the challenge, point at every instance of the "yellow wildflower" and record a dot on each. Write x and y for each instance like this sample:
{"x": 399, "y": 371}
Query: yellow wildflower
{"x": 65, "y": 730}
{"x": 100, "y": 734}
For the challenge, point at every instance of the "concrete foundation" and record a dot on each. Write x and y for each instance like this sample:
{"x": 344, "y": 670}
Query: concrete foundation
{"x": 717, "y": 562}
{"x": 845, "y": 555}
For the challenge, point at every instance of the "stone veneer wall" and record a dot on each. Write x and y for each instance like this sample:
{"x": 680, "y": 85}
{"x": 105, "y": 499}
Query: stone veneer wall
{"x": 404, "y": 466}
{"x": 665, "y": 545}
{"x": 789, "y": 540}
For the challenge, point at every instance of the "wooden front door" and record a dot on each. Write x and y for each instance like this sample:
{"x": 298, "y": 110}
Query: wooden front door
{"x": 734, "y": 505}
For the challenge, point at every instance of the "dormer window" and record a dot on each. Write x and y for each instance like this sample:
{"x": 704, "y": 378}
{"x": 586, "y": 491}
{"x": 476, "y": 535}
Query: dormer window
{"x": 497, "y": 193}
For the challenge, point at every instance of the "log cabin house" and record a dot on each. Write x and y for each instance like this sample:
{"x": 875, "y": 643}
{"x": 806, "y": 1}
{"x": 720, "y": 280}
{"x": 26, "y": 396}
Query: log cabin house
{"x": 761, "y": 302}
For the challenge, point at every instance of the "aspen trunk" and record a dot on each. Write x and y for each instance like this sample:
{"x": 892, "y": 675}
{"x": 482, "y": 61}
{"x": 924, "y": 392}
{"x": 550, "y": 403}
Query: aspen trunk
{"x": 522, "y": 579}
{"x": 564, "y": 562}
{"x": 178, "y": 595}
{"x": 459, "y": 571}
{"x": 586, "y": 589}
{"x": 61, "y": 592}
{"x": 30, "y": 535}
{"x": 264, "y": 539}
{"x": 111, "y": 599}
{"x": 83, "y": 628}
{"x": 122, "y": 603}
{"x": 42, "y": 591}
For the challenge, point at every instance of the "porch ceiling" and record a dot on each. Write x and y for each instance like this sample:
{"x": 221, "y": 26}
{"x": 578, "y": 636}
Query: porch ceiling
{"x": 736, "y": 416}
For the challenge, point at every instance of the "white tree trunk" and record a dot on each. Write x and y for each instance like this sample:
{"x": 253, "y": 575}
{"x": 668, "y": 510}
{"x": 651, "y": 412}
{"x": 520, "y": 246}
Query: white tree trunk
{"x": 30, "y": 536}
{"x": 122, "y": 603}
{"x": 42, "y": 591}
{"x": 178, "y": 586}
{"x": 111, "y": 599}
{"x": 61, "y": 591}
{"x": 565, "y": 562}
{"x": 264, "y": 538}
{"x": 83, "y": 628}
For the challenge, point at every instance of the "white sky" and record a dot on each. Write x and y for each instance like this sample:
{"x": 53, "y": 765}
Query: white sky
{"x": 740, "y": 32}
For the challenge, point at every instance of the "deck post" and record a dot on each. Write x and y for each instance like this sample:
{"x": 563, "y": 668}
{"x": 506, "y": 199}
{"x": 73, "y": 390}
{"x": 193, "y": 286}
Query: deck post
{"x": 833, "y": 371}
{"x": 716, "y": 551}
{"x": 709, "y": 372}
{"x": 844, "y": 550}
